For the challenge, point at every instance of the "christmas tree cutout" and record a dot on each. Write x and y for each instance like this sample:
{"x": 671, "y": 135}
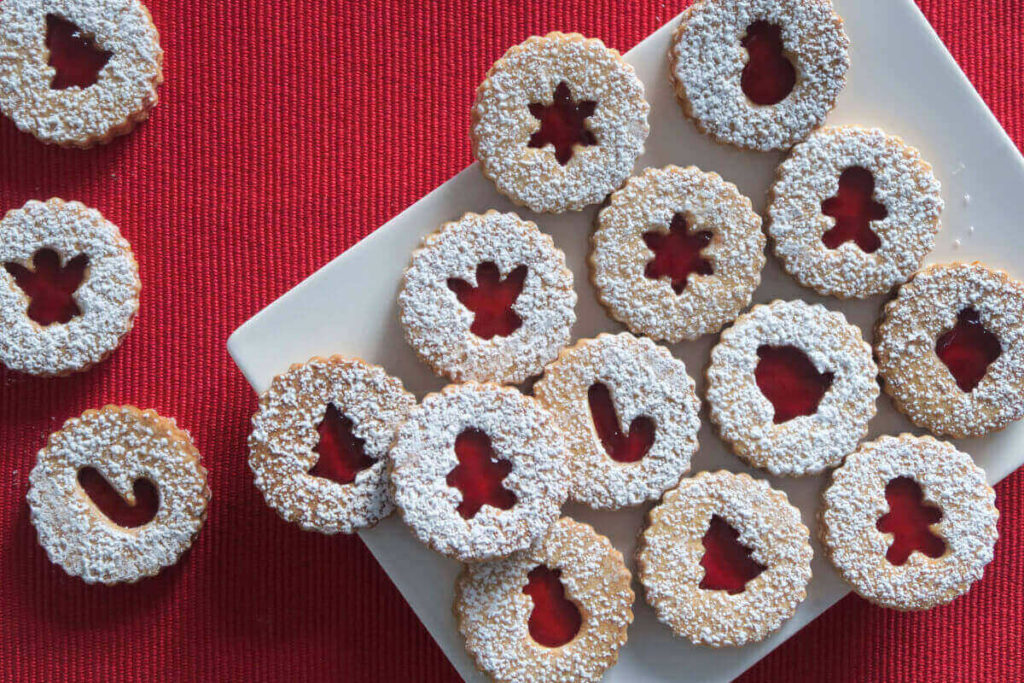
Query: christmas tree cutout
{"x": 491, "y": 300}
{"x": 50, "y": 286}
{"x": 727, "y": 563}
{"x": 342, "y": 455}
{"x": 620, "y": 448}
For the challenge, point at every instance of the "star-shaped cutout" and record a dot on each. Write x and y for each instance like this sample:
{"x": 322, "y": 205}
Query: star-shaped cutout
{"x": 563, "y": 124}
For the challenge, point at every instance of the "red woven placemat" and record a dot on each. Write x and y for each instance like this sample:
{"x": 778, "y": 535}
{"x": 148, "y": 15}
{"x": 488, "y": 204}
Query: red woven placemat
{"x": 286, "y": 132}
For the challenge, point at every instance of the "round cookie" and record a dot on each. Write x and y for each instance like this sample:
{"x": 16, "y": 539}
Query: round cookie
{"x": 43, "y": 91}
{"x": 488, "y": 298}
{"x": 559, "y": 122}
{"x": 478, "y": 471}
{"x": 320, "y": 441}
{"x": 65, "y": 265}
{"x": 495, "y": 603}
{"x": 629, "y": 415}
{"x": 885, "y": 559}
{"x": 122, "y": 453}
{"x": 677, "y": 253}
{"x": 672, "y": 559}
{"x": 792, "y": 387}
{"x": 759, "y": 74}
{"x": 950, "y": 347}
{"x": 853, "y": 211}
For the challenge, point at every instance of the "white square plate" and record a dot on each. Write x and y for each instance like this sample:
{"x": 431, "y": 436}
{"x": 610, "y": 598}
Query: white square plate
{"x": 901, "y": 79}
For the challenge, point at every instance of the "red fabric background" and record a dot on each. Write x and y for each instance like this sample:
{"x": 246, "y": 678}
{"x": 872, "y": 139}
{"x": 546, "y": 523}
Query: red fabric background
{"x": 286, "y": 132}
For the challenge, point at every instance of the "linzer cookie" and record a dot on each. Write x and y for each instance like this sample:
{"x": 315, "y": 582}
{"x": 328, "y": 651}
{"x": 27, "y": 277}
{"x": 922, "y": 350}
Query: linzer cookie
{"x": 78, "y": 72}
{"x": 677, "y": 253}
{"x": 909, "y": 522}
{"x": 478, "y": 471}
{"x": 792, "y": 387}
{"x": 951, "y": 349}
{"x": 320, "y": 441}
{"x": 69, "y": 288}
{"x": 559, "y": 122}
{"x": 759, "y": 74}
{"x": 555, "y": 612}
{"x": 117, "y": 494}
{"x": 629, "y": 415}
{"x": 488, "y": 298}
{"x": 724, "y": 560}
{"x": 853, "y": 211}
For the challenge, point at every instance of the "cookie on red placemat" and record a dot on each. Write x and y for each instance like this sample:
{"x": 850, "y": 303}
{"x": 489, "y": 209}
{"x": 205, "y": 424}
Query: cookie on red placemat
{"x": 559, "y": 122}
{"x": 853, "y": 211}
{"x": 909, "y": 522}
{"x": 629, "y": 414}
{"x": 792, "y": 387}
{"x": 487, "y": 298}
{"x": 478, "y": 471}
{"x": 78, "y": 72}
{"x": 677, "y": 253}
{"x": 950, "y": 347}
{"x": 117, "y": 494}
{"x": 320, "y": 441}
{"x": 69, "y": 288}
{"x": 725, "y": 559}
{"x": 555, "y": 612}
{"x": 759, "y": 74}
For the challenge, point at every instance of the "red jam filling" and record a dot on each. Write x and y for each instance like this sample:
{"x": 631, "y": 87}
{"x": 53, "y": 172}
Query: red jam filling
{"x": 677, "y": 253}
{"x": 74, "y": 55}
{"x": 854, "y": 209}
{"x": 117, "y": 509}
{"x": 619, "y": 447}
{"x": 909, "y": 521}
{"x": 727, "y": 563}
{"x": 563, "y": 124}
{"x": 50, "y": 286}
{"x": 968, "y": 349}
{"x": 788, "y": 378}
{"x": 342, "y": 454}
{"x": 555, "y": 620}
{"x": 491, "y": 300}
{"x": 479, "y": 474}
{"x": 769, "y": 76}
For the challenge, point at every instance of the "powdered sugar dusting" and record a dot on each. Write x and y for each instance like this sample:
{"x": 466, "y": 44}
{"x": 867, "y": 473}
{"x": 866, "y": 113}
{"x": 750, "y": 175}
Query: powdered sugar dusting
{"x": 503, "y": 124}
{"x": 520, "y": 430}
{"x": 80, "y": 117}
{"x": 904, "y": 184}
{"x": 108, "y": 296}
{"x": 668, "y": 559}
{"x": 284, "y": 436}
{"x": 123, "y": 443}
{"x": 493, "y": 612}
{"x": 437, "y": 325}
{"x": 619, "y": 256}
{"x": 707, "y": 61}
{"x": 920, "y": 384}
{"x": 808, "y": 443}
{"x": 856, "y": 500}
{"x": 644, "y": 380}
